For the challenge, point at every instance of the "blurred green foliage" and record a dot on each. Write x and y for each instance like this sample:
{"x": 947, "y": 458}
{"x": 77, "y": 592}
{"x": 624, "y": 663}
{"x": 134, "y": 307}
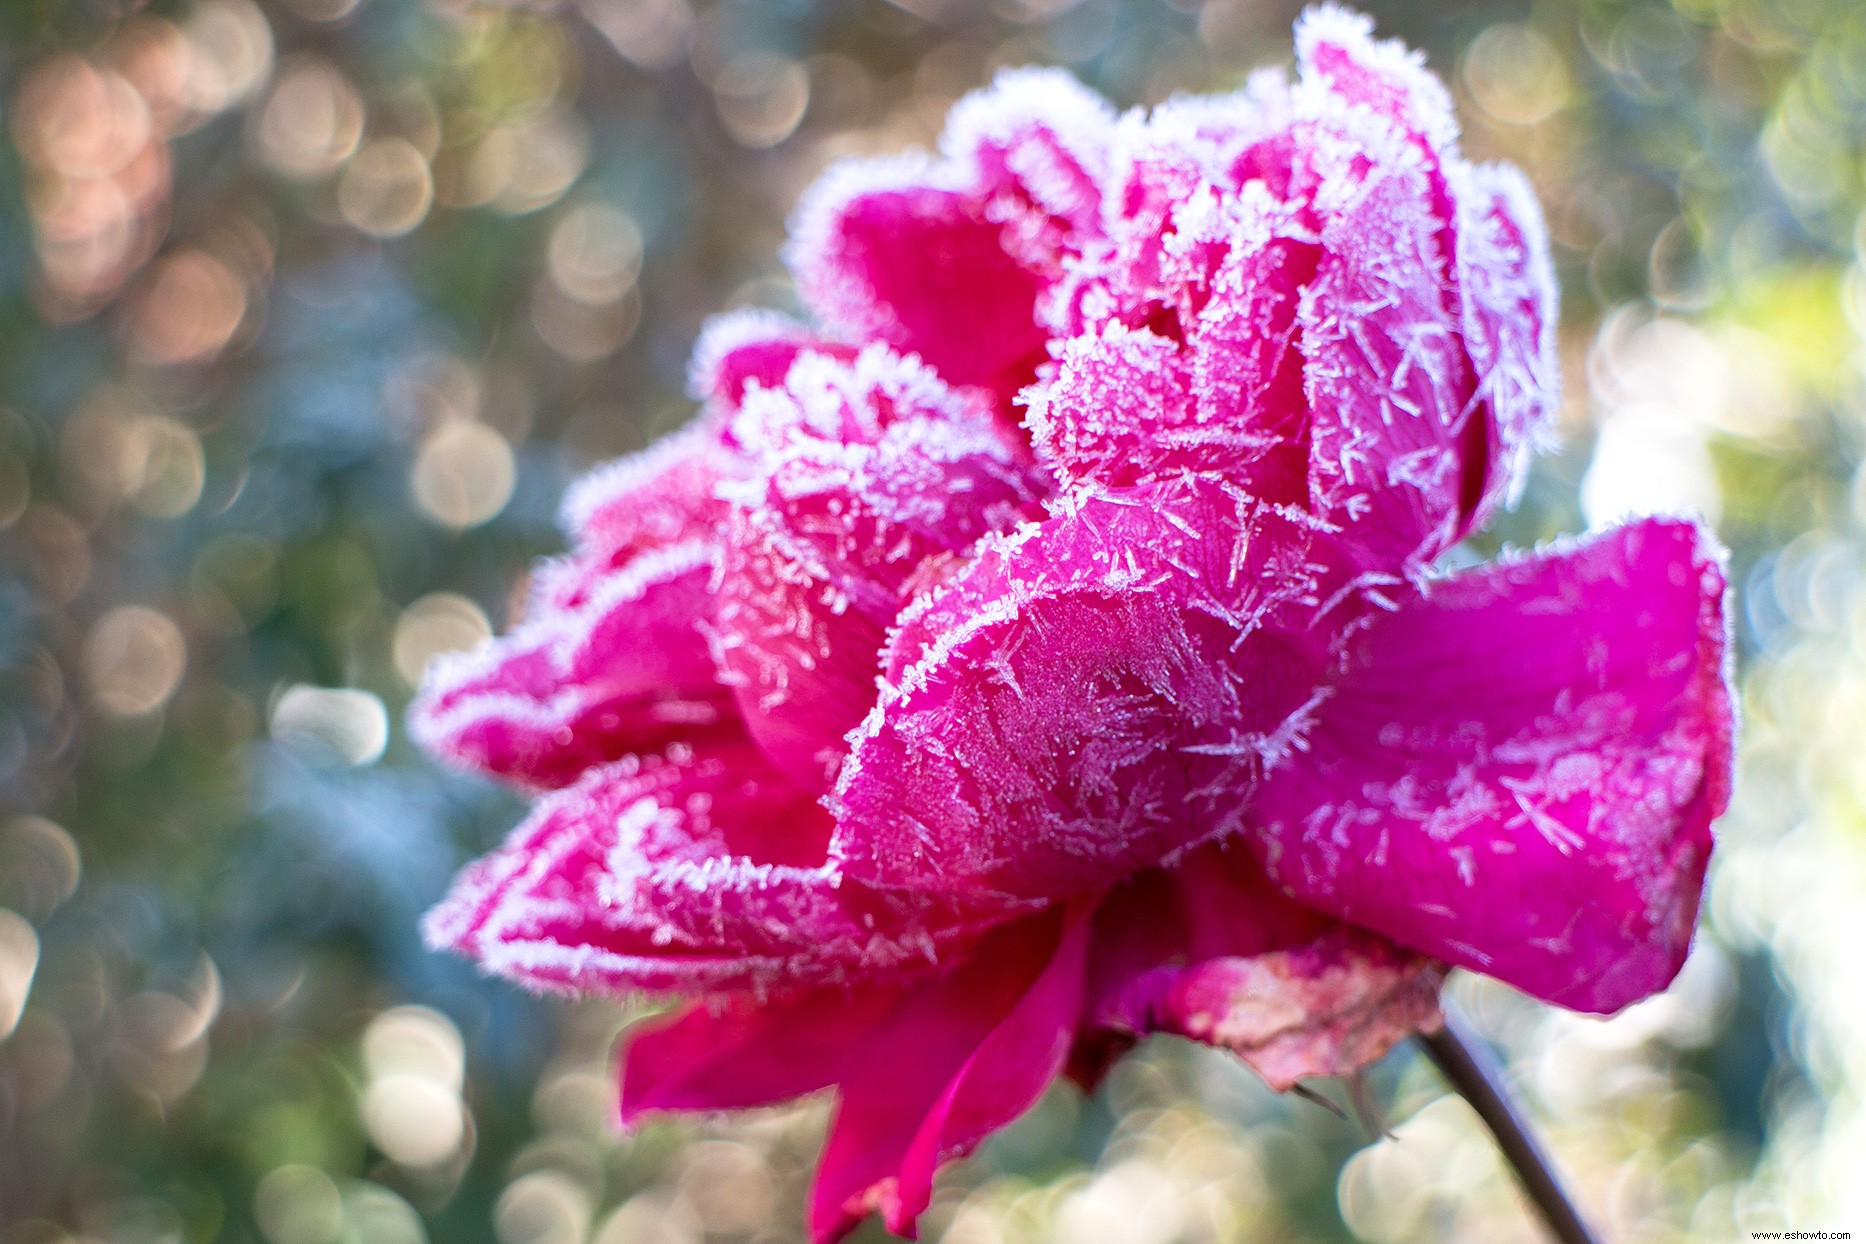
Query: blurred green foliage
{"x": 310, "y": 308}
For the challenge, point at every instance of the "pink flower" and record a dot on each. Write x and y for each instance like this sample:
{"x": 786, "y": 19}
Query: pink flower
{"x": 1050, "y": 648}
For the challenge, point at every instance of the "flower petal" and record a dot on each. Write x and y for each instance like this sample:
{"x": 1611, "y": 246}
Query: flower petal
{"x": 609, "y": 658}
{"x": 750, "y": 346}
{"x": 865, "y": 471}
{"x": 740, "y": 1052}
{"x": 611, "y": 661}
{"x": 1283, "y": 300}
{"x": 1339, "y": 56}
{"x": 946, "y": 259}
{"x": 1518, "y": 768}
{"x": 1501, "y": 282}
{"x": 700, "y": 869}
{"x": 652, "y": 499}
{"x": 1036, "y": 142}
{"x": 1209, "y": 949}
{"x": 957, "y": 1059}
{"x": 1086, "y": 698}
{"x": 1507, "y": 283}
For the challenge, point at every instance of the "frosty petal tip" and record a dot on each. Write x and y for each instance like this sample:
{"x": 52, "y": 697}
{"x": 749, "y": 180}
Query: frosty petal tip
{"x": 832, "y": 290}
{"x": 1338, "y": 53}
{"x": 729, "y": 331}
{"x": 1050, "y": 129}
{"x": 617, "y": 480}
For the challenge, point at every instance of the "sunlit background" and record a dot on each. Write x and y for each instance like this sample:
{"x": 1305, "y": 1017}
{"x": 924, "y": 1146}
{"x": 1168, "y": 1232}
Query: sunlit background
{"x": 310, "y": 308}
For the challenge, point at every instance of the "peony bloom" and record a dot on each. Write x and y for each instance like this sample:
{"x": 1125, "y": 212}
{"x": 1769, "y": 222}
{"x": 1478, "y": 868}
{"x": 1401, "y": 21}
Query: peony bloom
{"x": 1050, "y": 645}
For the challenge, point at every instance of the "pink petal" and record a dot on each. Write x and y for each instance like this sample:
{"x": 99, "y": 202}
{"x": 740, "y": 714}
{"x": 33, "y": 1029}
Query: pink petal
{"x": 609, "y": 658}
{"x": 865, "y": 471}
{"x": 741, "y": 1052}
{"x": 1518, "y": 769}
{"x": 1396, "y": 444}
{"x": 750, "y": 346}
{"x": 1508, "y": 287}
{"x": 959, "y": 1058}
{"x": 652, "y": 499}
{"x": 1337, "y": 53}
{"x": 700, "y": 869}
{"x": 946, "y": 259}
{"x": 1210, "y": 950}
{"x": 1086, "y": 698}
{"x": 1491, "y": 230}
{"x": 610, "y": 662}
{"x": 1036, "y": 145}
{"x": 1129, "y": 404}
{"x": 1283, "y": 300}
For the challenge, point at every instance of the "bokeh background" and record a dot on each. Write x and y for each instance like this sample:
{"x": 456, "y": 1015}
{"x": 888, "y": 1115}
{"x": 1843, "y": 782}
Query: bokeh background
{"x": 310, "y": 308}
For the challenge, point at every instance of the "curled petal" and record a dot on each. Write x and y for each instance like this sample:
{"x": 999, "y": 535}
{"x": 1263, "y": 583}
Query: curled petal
{"x": 1086, "y": 698}
{"x": 958, "y": 1058}
{"x": 1507, "y": 283}
{"x": 652, "y": 499}
{"x": 700, "y": 869}
{"x": 1225, "y": 398}
{"x": 1036, "y": 144}
{"x": 1167, "y": 166}
{"x": 867, "y": 471}
{"x": 1340, "y": 59}
{"x": 946, "y": 258}
{"x": 1210, "y": 950}
{"x": 611, "y": 661}
{"x": 926, "y": 1069}
{"x": 746, "y": 347}
{"x": 609, "y": 658}
{"x": 1517, "y": 769}
{"x": 1501, "y": 283}
{"x": 1397, "y": 444}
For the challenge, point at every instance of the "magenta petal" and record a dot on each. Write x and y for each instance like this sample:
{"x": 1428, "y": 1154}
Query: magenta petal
{"x": 1385, "y": 371}
{"x": 1086, "y": 698}
{"x": 1491, "y": 232}
{"x": 1509, "y": 306}
{"x": 1338, "y": 54}
{"x": 1128, "y": 405}
{"x": 746, "y": 347}
{"x": 1518, "y": 768}
{"x": 1283, "y": 299}
{"x": 865, "y": 470}
{"x": 945, "y": 259}
{"x": 739, "y": 1052}
{"x": 1120, "y": 398}
{"x": 959, "y": 1058}
{"x": 701, "y": 869}
{"x": 659, "y": 497}
{"x": 610, "y": 662}
{"x": 609, "y": 658}
{"x": 1210, "y": 949}
{"x": 889, "y": 253}
{"x": 1036, "y": 145}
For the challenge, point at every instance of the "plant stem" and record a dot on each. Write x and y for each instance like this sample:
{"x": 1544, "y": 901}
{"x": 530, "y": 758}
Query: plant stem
{"x": 1473, "y": 1070}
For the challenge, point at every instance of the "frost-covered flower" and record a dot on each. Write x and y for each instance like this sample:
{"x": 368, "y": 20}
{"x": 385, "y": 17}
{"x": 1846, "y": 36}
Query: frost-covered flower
{"x": 1048, "y": 646}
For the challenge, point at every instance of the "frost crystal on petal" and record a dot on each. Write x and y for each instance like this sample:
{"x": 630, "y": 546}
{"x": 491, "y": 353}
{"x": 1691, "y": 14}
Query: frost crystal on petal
{"x": 610, "y": 657}
{"x": 864, "y": 471}
{"x": 701, "y": 868}
{"x": 1538, "y": 748}
{"x": 1088, "y": 697}
{"x": 1310, "y": 294}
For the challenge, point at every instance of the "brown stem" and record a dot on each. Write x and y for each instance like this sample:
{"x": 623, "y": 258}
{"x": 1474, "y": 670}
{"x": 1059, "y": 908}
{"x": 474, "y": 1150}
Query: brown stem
{"x": 1468, "y": 1063}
